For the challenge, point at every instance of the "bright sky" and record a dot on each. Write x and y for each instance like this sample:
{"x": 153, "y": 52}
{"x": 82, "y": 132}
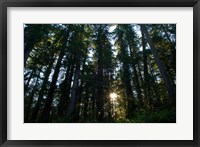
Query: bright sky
{"x": 111, "y": 29}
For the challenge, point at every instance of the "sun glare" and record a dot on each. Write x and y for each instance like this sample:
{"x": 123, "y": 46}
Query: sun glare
{"x": 113, "y": 96}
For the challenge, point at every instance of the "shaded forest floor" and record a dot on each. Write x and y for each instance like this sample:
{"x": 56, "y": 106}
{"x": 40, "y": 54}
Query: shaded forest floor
{"x": 165, "y": 115}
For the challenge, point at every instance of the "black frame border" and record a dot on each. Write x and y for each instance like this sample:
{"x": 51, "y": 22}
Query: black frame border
{"x": 99, "y": 3}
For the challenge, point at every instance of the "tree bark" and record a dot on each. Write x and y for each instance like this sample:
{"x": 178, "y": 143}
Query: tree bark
{"x": 80, "y": 89}
{"x": 86, "y": 103}
{"x": 47, "y": 107}
{"x": 127, "y": 80}
{"x": 136, "y": 78}
{"x": 146, "y": 74}
{"x": 73, "y": 98}
{"x": 64, "y": 89}
{"x": 99, "y": 97}
{"x": 170, "y": 89}
{"x": 41, "y": 93}
{"x": 31, "y": 100}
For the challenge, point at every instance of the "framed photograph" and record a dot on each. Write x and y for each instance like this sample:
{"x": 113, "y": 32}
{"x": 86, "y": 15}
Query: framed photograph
{"x": 108, "y": 73}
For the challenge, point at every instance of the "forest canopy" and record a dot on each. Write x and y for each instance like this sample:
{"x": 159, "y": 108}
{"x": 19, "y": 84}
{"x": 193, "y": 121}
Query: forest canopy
{"x": 100, "y": 73}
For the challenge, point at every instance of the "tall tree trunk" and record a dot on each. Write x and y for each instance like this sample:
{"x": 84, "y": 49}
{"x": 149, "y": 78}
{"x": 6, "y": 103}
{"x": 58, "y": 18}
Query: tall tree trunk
{"x": 146, "y": 74}
{"x": 154, "y": 85}
{"x": 47, "y": 107}
{"x": 41, "y": 93}
{"x": 31, "y": 97}
{"x": 64, "y": 89}
{"x": 86, "y": 103}
{"x": 80, "y": 90}
{"x": 68, "y": 87}
{"x": 136, "y": 78}
{"x": 73, "y": 98}
{"x": 94, "y": 97}
{"x": 99, "y": 97}
{"x": 173, "y": 55}
{"x": 168, "y": 85}
{"x": 75, "y": 86}
{"x": 127, "y": 80}
{"x": 99, "y": 100}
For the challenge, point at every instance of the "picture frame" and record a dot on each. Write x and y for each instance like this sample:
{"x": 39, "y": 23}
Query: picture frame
{"x": 4, "y": 4}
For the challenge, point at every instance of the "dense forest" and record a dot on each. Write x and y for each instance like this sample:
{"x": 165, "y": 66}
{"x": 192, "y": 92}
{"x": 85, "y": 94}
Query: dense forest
{"x": 99, "y": 73}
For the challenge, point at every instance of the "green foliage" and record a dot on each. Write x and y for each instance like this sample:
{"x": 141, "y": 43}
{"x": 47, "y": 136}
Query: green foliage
{"x": 165, "y": 115}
